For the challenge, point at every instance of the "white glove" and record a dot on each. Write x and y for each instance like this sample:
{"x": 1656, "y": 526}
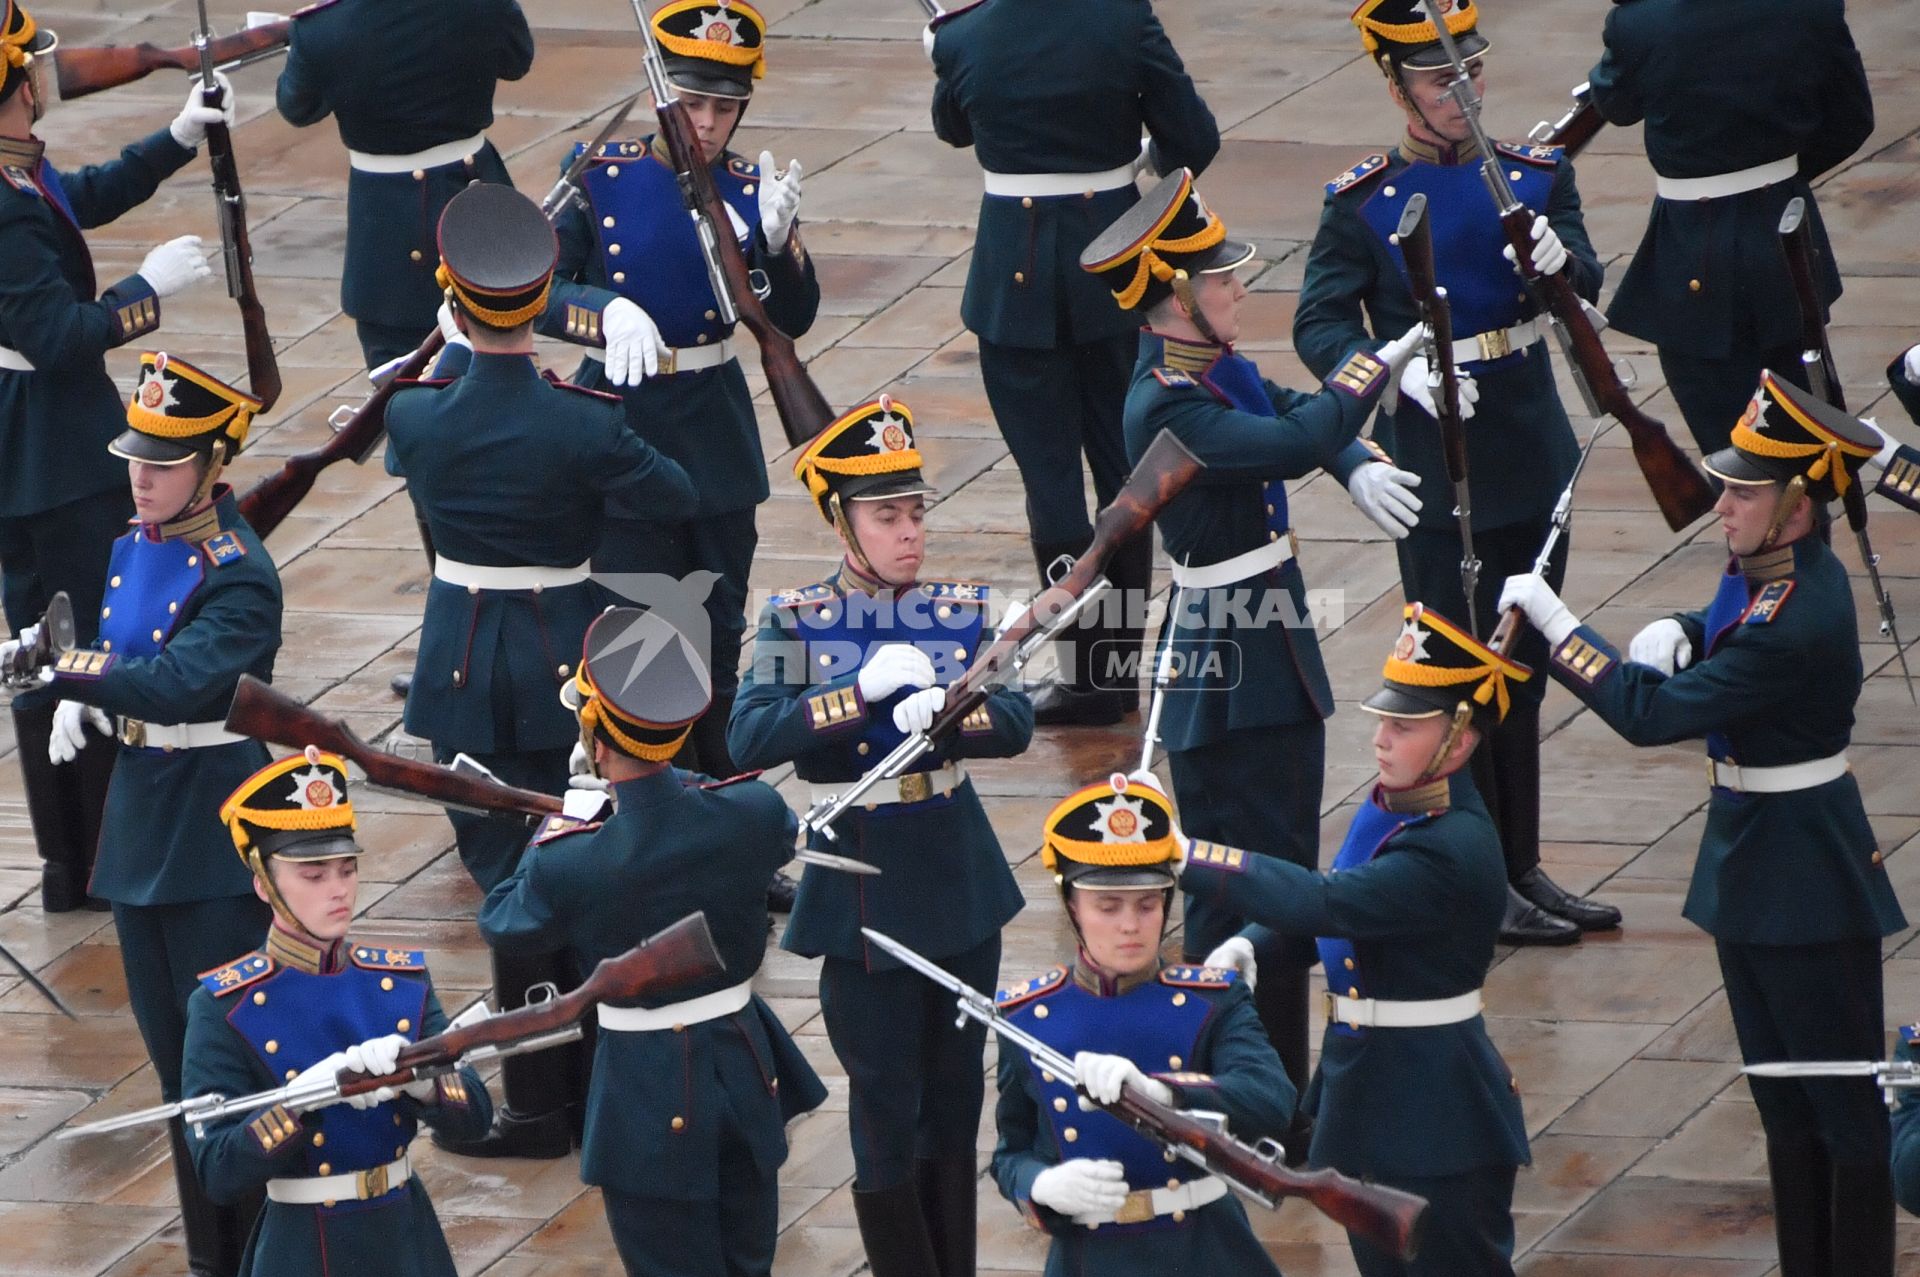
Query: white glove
{"x": 1143, "y": 162}
{"x": 779, "y": 200}
{"x": 1397, "y": 352}
{"x": 1544, "y": 611}
{"x": 635, "y": 348}
{"x": 1144, "y": 776}
{"x": 1237, "y": 952}
{"x": 915, "y": 714}
{"x": 327, "y": 1068}
{"x": 26, "y": 638}
{"x": 1888, "y": 444}
{"x": 1912, "y": 362}
{"x": 1384, "y": 493}
{"x": 1083, "y": 1188}
{"x": 1103, "y": 1076}
{"x": 377, "y": 1057}
{"x": 586, "y": 798}
{"x": 579, "y": 762}
{"x": 1663, "y": 645}
{"x": 1548, "y": 255}
{"x": 69, "y": 736}
{"x": 172, "y": 266}
{"x": 927, "y": 35}
{"x": 892, "y": 667}
{"x": 449, "y": 329}
{"x": 189, "y": 128}
{"x": 263, "y": 18}
{"x": 1419, "y": 382}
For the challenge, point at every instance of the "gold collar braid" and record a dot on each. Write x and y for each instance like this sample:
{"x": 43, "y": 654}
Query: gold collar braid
{"x": 479, "y": 308}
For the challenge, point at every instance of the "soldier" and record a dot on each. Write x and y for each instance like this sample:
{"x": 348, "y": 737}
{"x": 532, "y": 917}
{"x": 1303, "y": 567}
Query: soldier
{"x": 1411, "y": 1091}
{"x": 510, "y": 473}
{"x": 1242, "y": 719}
{"x": 415, "y": 133}
{"x": 63, "y": 500}
{"x": 842, "y": 670}
{"x": 192, "y": 602}
{"x": 1053, "y": 98}
{"x": 1732, "y": 136}
{"x": 1788, "y": 882}
{"x": 1184, "y": 1036}
{"x": 686, "y": 1118}
{"x": 1520, "y": 446}
{"x": 342, "y": 1195}
{"x": 1906, "y": 1130}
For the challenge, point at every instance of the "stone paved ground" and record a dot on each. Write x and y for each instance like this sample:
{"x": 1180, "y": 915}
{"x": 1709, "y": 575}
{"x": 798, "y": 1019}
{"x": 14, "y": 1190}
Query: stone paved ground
{"x": 1648, "y": 1158}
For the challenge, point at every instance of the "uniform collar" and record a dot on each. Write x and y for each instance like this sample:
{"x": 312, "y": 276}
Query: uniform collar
{"x": 24, "y": 152}
{"x": 1416, "y": 151}
{"x": 304, "y": 953}
{"x": 1769, "y": 565}
{"x": 852, "y": 578}
{"x": 198, "y": 526}
{"x": 1095, "y": 979}
{"x": 1435, "y": 795}
{"x": 492, "y": 367}
{"x": 657, "y": 148}
{"x": 646, "y": 791}
{"x": 1187, "y": 354}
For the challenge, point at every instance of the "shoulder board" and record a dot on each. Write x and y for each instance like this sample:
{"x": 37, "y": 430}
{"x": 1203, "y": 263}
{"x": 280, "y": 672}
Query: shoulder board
{"x": 800, "y": 596}
{"x": 601, "y": 395}
{"x": 428, "y": 383}
{"x": 1027, "y": 990}
{"x": 237, "y": 974}
{"x": 373, "y": 958}
{"x": 1370, "y": 167}
{"x": 559, "y": 827}
{"x": 1539, "y": 156}
{"x": 1174, "y": 377}
{"x": 1766, "y": 605}
{"x": 315, "y": 7}
{"x": 223, "y": 548}
{"x": 731, "y": 780}
{"x": 19, "y": 178}
{"x": 741, "y": 168}
{"x": 1910, "y": 1033}
{"x": 1199, "y": 977}
{"x": 612, "y": 151}
{"x": 941, "y": 19}
{"x": 957, "y": 591}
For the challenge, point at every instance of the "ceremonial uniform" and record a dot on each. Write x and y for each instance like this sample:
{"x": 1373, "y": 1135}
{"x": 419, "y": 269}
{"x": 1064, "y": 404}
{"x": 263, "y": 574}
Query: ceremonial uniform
{"x": 1906, "y": 1130}
{"x": 1053, "y": 98}
{"x": 1410, "y": 1091}
{"x": 342, "y": 1194}
{"x": 1744, "y": 102}
{"x": 686, "y": 1118}
{"x": 915, "y": 1081}
{"x": 415, "y": 132}
{"x": 1521, "y": 449}
{"x": 1788, "y": 882}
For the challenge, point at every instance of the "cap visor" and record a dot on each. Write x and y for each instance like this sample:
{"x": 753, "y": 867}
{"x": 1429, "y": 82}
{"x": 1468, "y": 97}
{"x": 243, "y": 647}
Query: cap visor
{"x": 1123, "y": 880}
{"x": 1231, "y": 254}
{"x": 886, "y": 487}
{"x": 712, "y": 84}
{"x": 331, "y": 844}
{"x": 1391, "y": 702}
{"x": 1433, "y": 57}
{"x": 135, "y": 446}
{"x": 1730, "y": 465}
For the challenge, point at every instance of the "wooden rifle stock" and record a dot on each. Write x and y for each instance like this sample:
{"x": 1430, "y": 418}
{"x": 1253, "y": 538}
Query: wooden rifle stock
{"x": 266, "y": 715}
{"x": 1576, "y": 128}
{"x": 81, "y": 71}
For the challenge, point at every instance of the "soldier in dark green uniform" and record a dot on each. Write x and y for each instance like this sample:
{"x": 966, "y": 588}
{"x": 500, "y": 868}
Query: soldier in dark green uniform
{"x": 1411, "y": 1091}
{"x": 1789, "y": 883}
{"x": 1744, "y": 102}
{"x": 686, "y": 1119}
{"x": 842, "y": 671}
{"x": 192, "y": 602}
{"x": 510, "y": 473}
{"x": 1520, "y": 446}
{"x": 1053, "y": 97}
{"x": 63, "y": 499}
{"x": 411, "y": 88}
{"x": 1185, "y": 1036}
{"x": 342, "y": 1196}
{"x": 1243, "y": 716}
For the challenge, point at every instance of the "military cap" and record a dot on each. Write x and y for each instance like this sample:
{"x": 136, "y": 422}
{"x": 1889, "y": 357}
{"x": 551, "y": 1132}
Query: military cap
{"x": 21, "y": 41}
{"x": 1169, "y": 231}
{"x": 715, "y": 49}
{"x": 497, "y": 254}
{"x": 296, "y": 809}
{"x": 1113, "y": 836}
{"x": 1436, "y": 666}
{"x": 1403, "y": 30}
{"x": 641, "y": 684}
{"x": 1786, "y": 431}
{"x": 868, "y": 454}
{"x": 178, "y": 412}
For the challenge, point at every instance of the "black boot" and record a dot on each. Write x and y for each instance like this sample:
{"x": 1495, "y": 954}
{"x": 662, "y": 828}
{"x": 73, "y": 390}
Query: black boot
{"x": 1862, "y": 1219}
{"x": 1802, "y": 1206}
{"x": 947, "y": 1186}
{"x": 1076, "y": 700}
{"x": 216, "y": 1235}
{"x": 531, "y": 1120}
{"x": 781, "y": 893}
{"x": 89, "y": 777}
{"x": 63, "y": 803}
{"x": 401, "y": 684}
{"x": 1528, "y": 924}
{"x": 1536, "y": 888}
{"x": 893, "y": 1228}
{"x": 1282, "y": 999}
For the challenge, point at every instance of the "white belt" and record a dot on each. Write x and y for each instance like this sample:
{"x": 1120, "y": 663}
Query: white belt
{"x": 914, "y": 787}
{"x": 687, "y": 358}
{"x": 1144, "y": 1204}
{"x": 477, "y": 578}
{"x": 1372, "y": 1013}
{"x": 1497, "y": 344}
{"x": 1047, "y": 185}
{"x": 141, "y": 735}
{"x": 1776, "y": 780}
{"x": 355, "y": 1186}
{"x": 1210, "y": 576}
{"x": 14, "y": 361}
{"x": 1721, "y": 185}
{"x": 677, "y": 1015}
{"x": 433, "y": 157}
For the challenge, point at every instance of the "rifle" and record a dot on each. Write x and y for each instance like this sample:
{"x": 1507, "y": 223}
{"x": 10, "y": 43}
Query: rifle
{"x": 40, "y": 986}
{"x": 1679, "y": 489}
{"x": 1892, "y": 1075}
{"x": 1415, "y": 238}
{"x": 53, "y": 639}
{"x": 1387, "y": 1217}
{"x": 1165, "y": 468}
{"x": 681, "y": 955}
{"x": 79, "y": 72}
{"x": 357, "y": 431}
{"x": 738, "y": 291}
{"x": 1162, "y": 676}
{"x": 1576, "y": 128}
{"x": 1507, "y": 633}
{"x": 1816, "y": 356}
{"x": 263, "y": 371}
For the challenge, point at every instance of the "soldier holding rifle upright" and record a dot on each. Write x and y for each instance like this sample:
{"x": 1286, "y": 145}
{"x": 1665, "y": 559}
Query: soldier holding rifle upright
{"x": 1520, "y": 446}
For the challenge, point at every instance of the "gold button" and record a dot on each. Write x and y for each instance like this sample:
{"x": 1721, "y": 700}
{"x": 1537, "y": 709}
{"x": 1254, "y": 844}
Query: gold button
{"x": 1040, "y": 1013}
{"x": 679, "y": 1123}
{"x": 1173, "y": 1182}
{"x": 459, "y": 679}
{"x": 172, "y": 608}
{"x": 115, "y": 582}
{"x": 1269, "y": 510}
{"x": 292, "y": 1074}
{"x": 747, "y": 189}
{"x": 473, "y": 590}
{"x": 396, "y": 1119}
{"x": 563, "y": 670}
{"x": 1514, "y": 175}
{"x": 945, "y": 612}
{"x": 619, "y": 277}
{"x": 862, "y": 748}
{"x": 713, "y": 314}
{"x": 1513, "y": 1084}
{"x": 613, "y": 250}
{"x": 329, "y": 1203}
{"x": 193, "y": 560}
{"x": 1173, "y": 1061}
{"x": 700, "y": 339}
{"x": 1387, "y": 191}
{"x": 1273, "y": 536}
{"x": 1026, "y": 201}
{"x": 1348, "y": 964}
{"x": 1352, "y": 992}
{"x": 679, "y": 1028}
{"x": 325, "y": 1168}
{"x": 959, "y": 653}
{"x": 1179, "y": 999}
{"x": 1086, "y": 195}
{"x": 1059, "y": 1105}
{"x": 613, "y": 170}
{"x": 1179, "y": 1216}
{"x": 386, "y": 984}
{"x": 825, "y": 659}
{"x": 415, "y": 255}
{"x": 106, "y": 645}
{"x": 1019, "y": 277}
{"x": 1070, "y": 1135}
{"x": 1046, "y": 1077}
{"x": 1876, "y": 857}
{"x": 1693, "y": 285}
{"x": 419, "y": 175}
{"x": 319, "y": 1138}
{"x": 404, "y": 1025}
{"x": 607, "y": 222}
{"x": 259, "y": 999}
{"x": 400, "y": 1151}
{"x": 105, "y": 612}
{"x": 158, "y": 635}
{"x": 273, "y": 1047}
